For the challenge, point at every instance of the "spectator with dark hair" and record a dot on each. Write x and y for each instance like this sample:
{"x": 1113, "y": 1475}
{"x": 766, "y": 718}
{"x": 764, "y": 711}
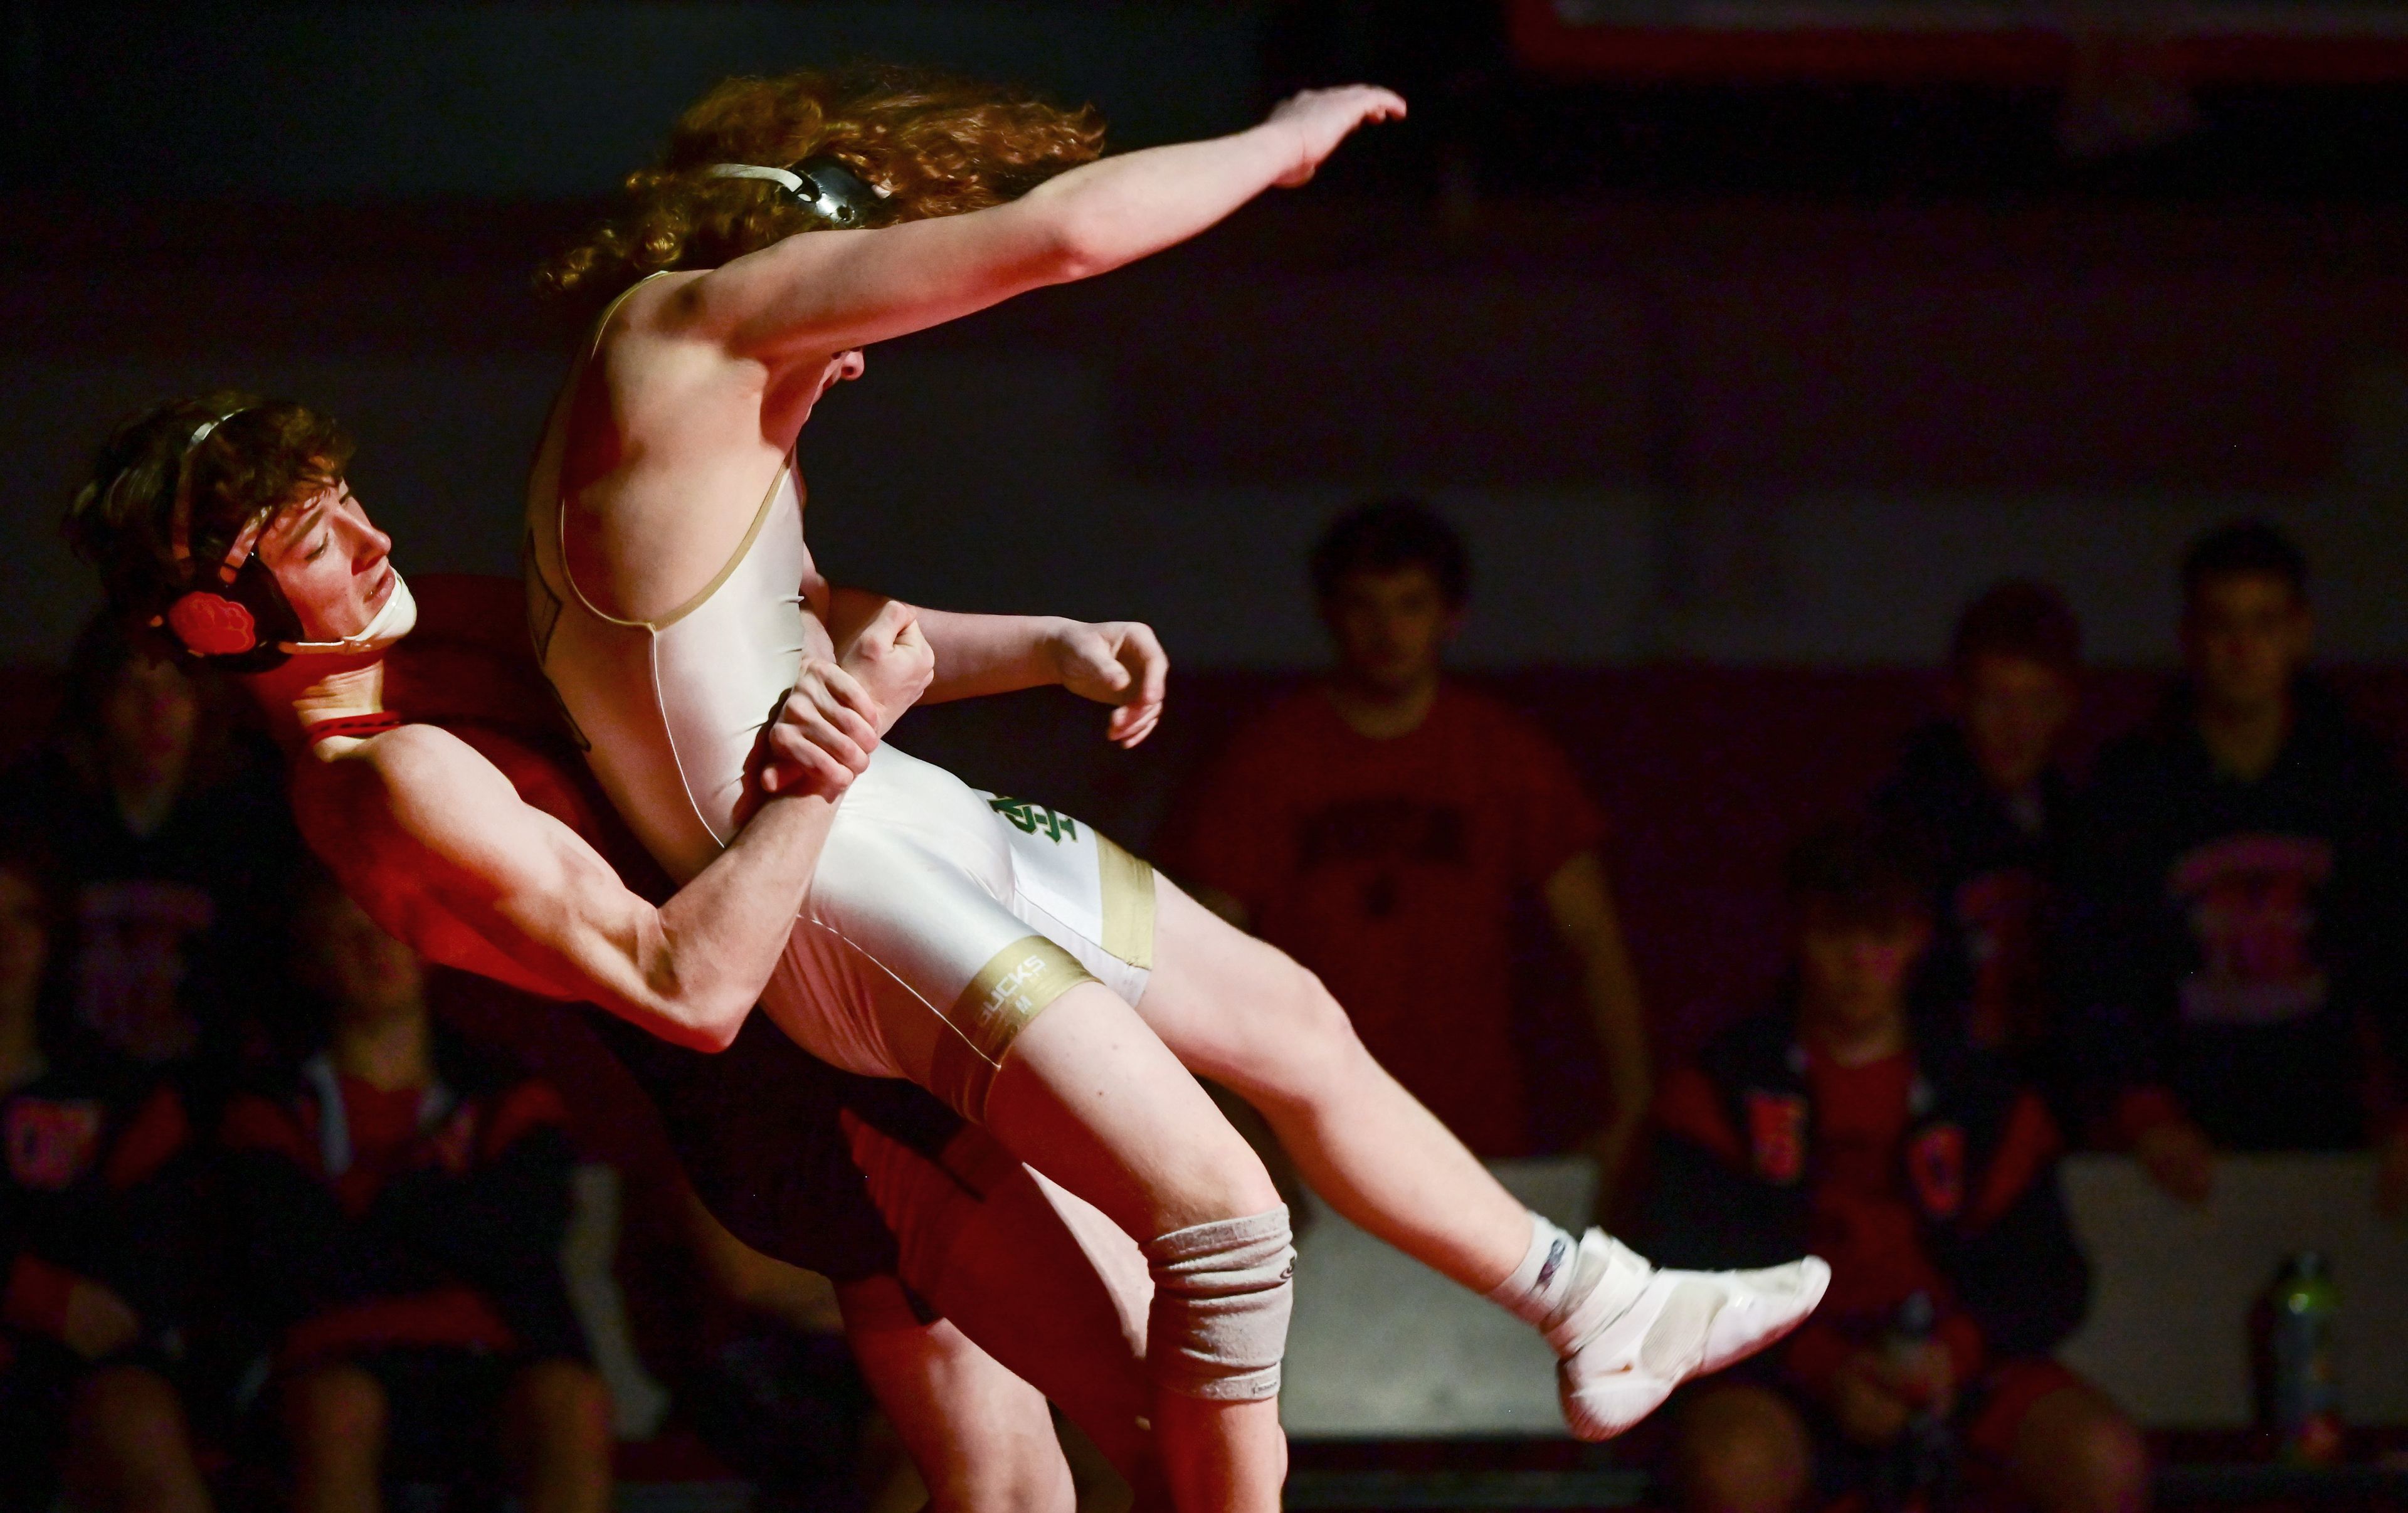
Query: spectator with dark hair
{"x": 1984, "y": 794}
{"x": 402, "y": 1202}
{"x": 1918, "y": 1166}
{"x": 1380, "y": 825}
{"x": 2243, "y": 900}
{"x": 92, "y": 1197}
{"x": 175, "y": 840}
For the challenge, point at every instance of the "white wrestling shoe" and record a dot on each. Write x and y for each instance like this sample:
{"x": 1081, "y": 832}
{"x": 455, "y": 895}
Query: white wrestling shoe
{"x": 1638, "y": 1333}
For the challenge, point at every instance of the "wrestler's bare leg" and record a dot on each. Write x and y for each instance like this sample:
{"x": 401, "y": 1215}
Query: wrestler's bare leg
{"x": 1244, "y": 1014}
{"x": 982, "y": 1438}
{"x": 1051, "y": 1291}
{"x": 1241, "y": 1012}
{"x": 1089, "y": 1096}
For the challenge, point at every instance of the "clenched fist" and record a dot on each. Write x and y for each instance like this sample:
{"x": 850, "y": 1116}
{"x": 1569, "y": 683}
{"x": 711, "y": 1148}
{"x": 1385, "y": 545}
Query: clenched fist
{"x": 1115, "y": 661}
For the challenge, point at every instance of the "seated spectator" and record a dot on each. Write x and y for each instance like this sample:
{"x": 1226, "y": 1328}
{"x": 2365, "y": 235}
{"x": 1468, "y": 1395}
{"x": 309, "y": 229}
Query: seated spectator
{"x": 90, "y": 1202}
{"x": 1916, "y": 1165}
{"x": 1380, "y": 825}
{"x": 174, "y": 839}
{"x": 1984, "y": 795}
{"x": 2243, "y": 893}
{"x": 402, "y": 1205}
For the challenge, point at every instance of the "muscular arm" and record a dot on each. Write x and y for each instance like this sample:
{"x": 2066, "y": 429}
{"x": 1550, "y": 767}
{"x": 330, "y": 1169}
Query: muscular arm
{"x": 437, "y": 845}
{"x": 829, "y": 291}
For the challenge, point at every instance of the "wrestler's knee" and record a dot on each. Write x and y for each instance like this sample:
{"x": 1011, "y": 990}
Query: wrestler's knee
{"x": 1019, "y": 1476}
{"x": 1265, "y": 1026}
{"x": 1223, "y": 1293}
{"x": 1314, "y": 1046}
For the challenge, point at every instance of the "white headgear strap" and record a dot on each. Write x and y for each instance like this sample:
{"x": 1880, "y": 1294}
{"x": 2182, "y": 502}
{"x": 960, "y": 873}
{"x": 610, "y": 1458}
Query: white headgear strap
{"x": 791, "y": 181}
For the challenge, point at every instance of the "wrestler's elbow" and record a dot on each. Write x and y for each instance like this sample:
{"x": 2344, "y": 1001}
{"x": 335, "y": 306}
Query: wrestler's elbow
{"x": 709, "y": 1020}
{"x": 1079, "y": 241}
{"x": 700, "y": 1012}
{"x": 707, "y": 1026}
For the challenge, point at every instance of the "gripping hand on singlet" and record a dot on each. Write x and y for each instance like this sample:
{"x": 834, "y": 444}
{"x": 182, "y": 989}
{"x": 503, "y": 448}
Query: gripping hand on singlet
{"x": 838, "y": 710}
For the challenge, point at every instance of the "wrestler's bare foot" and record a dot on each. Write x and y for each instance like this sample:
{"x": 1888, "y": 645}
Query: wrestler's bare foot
{"x": 1631, "y": 1333}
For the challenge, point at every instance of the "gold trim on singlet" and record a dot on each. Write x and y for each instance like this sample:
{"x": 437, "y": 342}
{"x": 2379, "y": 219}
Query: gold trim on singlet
{"x": 560, "y": 509}
{"x": 1015, "y": 986}
{"x": 1127, "y": 881}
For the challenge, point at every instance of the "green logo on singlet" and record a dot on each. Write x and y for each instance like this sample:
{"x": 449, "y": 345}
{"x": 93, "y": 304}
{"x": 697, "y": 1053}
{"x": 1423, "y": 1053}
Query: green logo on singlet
{"x": 1032, "y": 818}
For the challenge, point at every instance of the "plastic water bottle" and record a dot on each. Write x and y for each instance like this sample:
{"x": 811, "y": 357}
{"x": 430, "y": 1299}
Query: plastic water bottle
{"x": 1919, "y": 1474}
{"x": 2299, "y": 1397}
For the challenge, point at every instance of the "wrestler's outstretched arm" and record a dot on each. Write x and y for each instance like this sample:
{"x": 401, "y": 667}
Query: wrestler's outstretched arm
{"x": 1115, "y": 661}
{"x": 831, "y": 290}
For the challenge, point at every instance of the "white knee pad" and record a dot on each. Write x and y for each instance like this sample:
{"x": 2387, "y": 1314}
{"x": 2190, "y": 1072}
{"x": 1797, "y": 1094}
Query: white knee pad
{"x": 1222, "y": 1295}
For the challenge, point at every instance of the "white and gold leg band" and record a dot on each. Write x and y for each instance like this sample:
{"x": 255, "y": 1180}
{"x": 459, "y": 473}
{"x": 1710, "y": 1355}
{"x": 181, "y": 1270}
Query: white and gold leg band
{"x": 1020, "y": 982}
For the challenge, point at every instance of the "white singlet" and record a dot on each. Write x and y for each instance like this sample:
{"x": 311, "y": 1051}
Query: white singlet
{"x": 940, "y": 920}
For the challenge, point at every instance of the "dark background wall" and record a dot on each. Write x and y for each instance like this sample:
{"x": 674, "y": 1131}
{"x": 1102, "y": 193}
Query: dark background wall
{"x": 1741, "y": 382}
{"x": 1755, "y": 375}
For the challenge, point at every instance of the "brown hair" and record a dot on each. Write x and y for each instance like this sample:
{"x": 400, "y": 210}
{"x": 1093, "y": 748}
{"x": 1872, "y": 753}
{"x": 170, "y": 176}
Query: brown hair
{"x": 938, "y": 144}
{"x": 2244, "y": 549}
{"x": 2019, "y": 619}
{"x": 265, "y": 453}
{"x": 1858, "y": 872}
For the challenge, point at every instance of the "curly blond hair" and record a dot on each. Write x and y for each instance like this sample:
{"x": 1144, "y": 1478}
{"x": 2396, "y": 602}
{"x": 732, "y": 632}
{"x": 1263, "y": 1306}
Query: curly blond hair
{"x": 938, "y": 144}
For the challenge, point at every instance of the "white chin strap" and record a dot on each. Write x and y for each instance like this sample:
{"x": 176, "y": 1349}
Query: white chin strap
{"x": 392, "y": 622}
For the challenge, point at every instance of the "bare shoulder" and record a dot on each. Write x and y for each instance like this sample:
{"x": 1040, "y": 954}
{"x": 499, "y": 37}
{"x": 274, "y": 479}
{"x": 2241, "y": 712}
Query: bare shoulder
{"x": 435, "y": 843}
{"x": 412, "y": 780}
{"x": 412, "y": 758}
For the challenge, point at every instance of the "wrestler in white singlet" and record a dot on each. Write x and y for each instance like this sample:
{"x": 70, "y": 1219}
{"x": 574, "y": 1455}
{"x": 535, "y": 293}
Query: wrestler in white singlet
{"x": 980, "y": 910}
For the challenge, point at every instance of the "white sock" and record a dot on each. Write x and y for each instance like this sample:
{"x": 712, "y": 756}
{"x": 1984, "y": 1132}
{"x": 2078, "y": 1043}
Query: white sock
{"x": 1541, "y": 1289}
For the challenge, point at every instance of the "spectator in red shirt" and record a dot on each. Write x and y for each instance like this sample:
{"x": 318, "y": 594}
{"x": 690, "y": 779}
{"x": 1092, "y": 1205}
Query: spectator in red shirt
{"x": 403, "y": 1203}
{"x": 1916, "y": 1164}
{"x": 93, "y": 1152}
{"x": 1379, "y": 825}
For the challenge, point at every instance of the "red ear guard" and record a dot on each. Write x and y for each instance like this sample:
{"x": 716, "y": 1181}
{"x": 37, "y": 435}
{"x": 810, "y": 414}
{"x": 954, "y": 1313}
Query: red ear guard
{"x": 224, "y": 617}
{"x": 212, "y": 625}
